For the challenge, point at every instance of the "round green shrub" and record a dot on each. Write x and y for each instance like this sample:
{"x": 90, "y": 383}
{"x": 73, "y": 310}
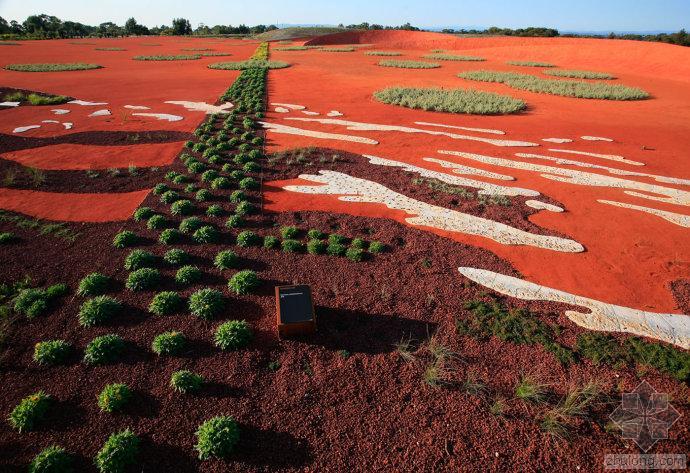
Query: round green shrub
{"x": 188, "y": 275}
{"x": 56, "y": 290}
{"x": 251, "y": 167}
{"x": 316, "y": 247}
{"x": 138, "y": 259}
{"x": 233, "y": 335}
{"x": 237, "y": 197}
{"x": 169, "y": 344}
{"x": 191, "y": 224}
{"x": 244, "y": 282}
{"x": 315, "y": 234}
{"x": 334, "y": 238}
{"x": 30, "y": 411}
{"x": 168, "y": 197}
{"x": 169, "y": 236}
{"x": 358, "y": 243}
{"x": 114, "y": 397}
{"x": 98, "y": 310}
{"x": 31, "y": 302}
{"x": 234, "y": 221}
{"x": 6, "y": 237}
{"x": 143, "y": 279}
{"x": 160, "y": 189}
{"x": 124, "y": 239}
{"x": 226, "y": 259}
{"x": 248, "y": 238}
{"x": 292, "y": 246}
{"x": 157, "y": 222}
{"x": 206, "y": 234}
{"x": 165, "y": 303}
{"x": 182, "y": 207}
{"x": 376, "y": 247}
{"x": 217, "y": 437}
{"x": 214, "y": 210}
{"x": 209, "y": 175}
{"x": 118, "y": 452}
{"x": 196, "y": 167}
{"x": 336, "y": 249}
{"x": 176, "y": 257}
{"x": 220, "y": 183}
{"x": 180, "y": 179}
{"x": 53, "y": 459}
{"x": 171, "y": 175}
{"x": 191, "y": 188}
{"x": 289, "y": 232}
{"x": 271, "y": 242}
{"x": 52, "y": 352}
{"x": 94, "y": 284}
{"x": 237, "y": 174}
{"x": 206, "y": 303}
{"x": 186, "y": 382}
{"x": 249, "y": 183}
{"x": 142, "y": 213}
{"x": 104, "y": 349}
{"x": 203, "y": 195}
{"x": 355, "y": 254}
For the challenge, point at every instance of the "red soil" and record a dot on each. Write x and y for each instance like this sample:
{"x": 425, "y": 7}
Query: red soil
{"x": 632, "y": 256}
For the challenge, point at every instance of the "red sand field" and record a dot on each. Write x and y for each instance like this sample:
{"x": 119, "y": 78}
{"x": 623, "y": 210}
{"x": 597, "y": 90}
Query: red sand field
{"x": 631, "y": 256}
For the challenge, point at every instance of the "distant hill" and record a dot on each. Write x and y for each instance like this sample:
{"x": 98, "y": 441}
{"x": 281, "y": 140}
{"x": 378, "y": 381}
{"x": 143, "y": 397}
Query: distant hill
{"x": 297, "y": 32}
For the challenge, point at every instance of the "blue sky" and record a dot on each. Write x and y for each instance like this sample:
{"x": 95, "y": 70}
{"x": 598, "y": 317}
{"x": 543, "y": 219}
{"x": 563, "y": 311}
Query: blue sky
{"x": 569, "y": 15}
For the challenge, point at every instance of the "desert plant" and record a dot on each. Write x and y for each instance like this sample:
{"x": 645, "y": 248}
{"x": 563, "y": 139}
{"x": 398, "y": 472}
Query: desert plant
{"x": 529, "y": 389}
{"x": 334, "y": 238}
{"x": 530, "y": 64}
{"x": 169, "y": 344}
{"x": 234, "y": 221}
{"x": 53, "y": 459}
{"x": 409, "y": 64}
{"x": 358, "y": 243}
{"x": 118, "y": 452}
{"x": 104, "y": 349}
{"x": 182, "y": 207}
{"x": 52, "y": 352}
{"x": 169, "y": 197}
{"x": 188, "y": 275}
{"x": 214, "y": 210}
{"x": 242, "y": 65}
{"x": 315, "y": 234}
{"x": 165, "y": 303}
{"x": 244, "y": 208}
{"x": 191, "y": 224}
{"x": 156, "y": 222}
{"x": 206, "y": 234}
{"x": 143, "y": 213}
{"x": 138, "y": 259}
{"x": 316, "y": 247}
{"x": 186, "y": 382}
{"x": 143, "y": 279}
{"x": 451, "y": 100}
{"x": 6, "y": 237}
{"x": 98, "y": 310}
{"x": 271, "y": 242}
{"x": 355, "y": 254}
{"x": 114, "y": 397}
{"x": 289, "y": 232}
{"x": 160, "y": 189}
{"x": 33, "y": 302}
{"x": 248, "y": 183}
{"x": 233, "y": 335}
{"x": 206, "y": 303}
{"x": 226, "y": 259}
{"x": 383, "y": 53}
{"x": 30, "y": 411}
{"x": 248, "y": 238}
{"x": 176, "y": 257}
{"x": 336, "y": 249}
{"x": 292, "y": 246}
{"x": 124, "y": 239}
{"x": 173, "y": 57}
{"x": 217, "y": 437}
{"x": 170, "y": 236}
{"x": 376, "y": 247}
{"x": 237, "y": 197}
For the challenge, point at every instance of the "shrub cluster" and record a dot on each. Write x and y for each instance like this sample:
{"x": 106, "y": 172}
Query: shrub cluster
{"x": 30, "y": 411}
{"x": 118, "y": 452}
{"x": 186, "y": 382}
{"x": 98, "y": 310}
{"x": 114, "y": 397}
{"x": 94, "y": 284}
{"x": 451, "y": 100}
{"x": 52, "y": 352}
{"x": 233, "y": 335}
{"x": 169, "y": 344}
{"x": 33, "y": 302}
{"x": 143, "y": 279}
{"x": 244, "y": 282}
{"x": 409, "y": 64}
{"x": 165, "y": 303}
{"x": 53, "y": 459}
{"x": 217, "y": 437}
{"x": 104, "y": 349}
{"x": 206, "y": 303}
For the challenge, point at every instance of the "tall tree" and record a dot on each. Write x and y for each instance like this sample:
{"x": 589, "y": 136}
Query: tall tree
{"x": 181, "y": 26}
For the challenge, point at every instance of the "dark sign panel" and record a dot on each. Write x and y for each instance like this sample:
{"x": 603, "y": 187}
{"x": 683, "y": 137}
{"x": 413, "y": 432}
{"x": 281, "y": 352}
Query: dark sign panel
{"x": 295, "y": 310}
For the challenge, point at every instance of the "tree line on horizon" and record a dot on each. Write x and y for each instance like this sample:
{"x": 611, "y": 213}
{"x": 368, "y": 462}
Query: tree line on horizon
{"x": 51, "y": 27}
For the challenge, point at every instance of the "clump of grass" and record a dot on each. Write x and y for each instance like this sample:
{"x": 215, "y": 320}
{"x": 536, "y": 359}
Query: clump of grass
{"x": 53, "y": 67}
{"x": 575, "y": 403}
{"x": 186, "y": 382}
{"x": 452, "y": 101}
{"x": 33, "y": 302}
{"x": 217, "y": 437}
{"x": 383, "y": 53}
{"x": 271, "y": 242}
{"x": 248, "y": 238}
{"x": 316, "y": 247}
{"x": 243, "y": 65}
{"x": 452, "y": 57}
{"x": 37, "y": 99}
{"x": 292, "y": 246}
{"x": 118, "y": 452}
{"x": 233, "y": 335}
{"x": 498, "y": 407}
{"x": 165, "y": 303}
{"x": 52, "y": 352}
{"x": 409, "y": 64}
{"x": 182, "y": 207}
{"x": 405, "y": 349}
{"x": 226, "y": 259}
{"x": 53, "y": 459}
{"x": 98, "y": 310}
{"x": 244, "y": 282}
{"x": 206, "y": 303}
{"x": 174, "y": 57}
{"x": 143, "y": 279}
{"x": 336, "y": 249}
{"x": 138, "y": 259}
{"x": 188, "y": 275}
{"x": 355, "y": 254}
{"x": 124, "y": 239}
{"x": 170, "y": 236}
{"x": 529, "y": 389}
{"x": 114, "y": 397}
{"x": 530, "y": 64}
{"x": 565, "y": 88}
{"x": 293, "y": 48}
{"x": 30, "y": 411}
{"x": 580, "y": 74}
{"x": 176, "y": 257}
{"x": 206, "y": 234}
{"x": 142, "y": 213}
{"x": 104, "y": 349}
{"x": 376, "y": 247}
{"x": 169, "y": 344}
{"x": 473, "y": 386}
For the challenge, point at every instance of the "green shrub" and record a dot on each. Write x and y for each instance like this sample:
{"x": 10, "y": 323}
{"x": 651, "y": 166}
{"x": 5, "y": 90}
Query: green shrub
{"x": 248, "y": 238}
{"x": 182, "y": 207}
{"x": 530, "y": 64}
{"x": 206, "y": 234}
{"x": 98, "y": 310}
{"x": 233, "y": 335}
{"x": 316, "y": 247}
{"x": 383, "y": 53}
{"x": 206, "y": 303}
{"x": 30, "y": 411}
{"x": 143, "y": 279}
{"x": 565, "y": 88}
{"x": 33, "y": 302}
{"x": 376, "y": 247}
{"x": 336, "y": 249}
{"x": 214, "y": 210}
{"x": 579, "y": 74}
{"x": 191, "y": 188}
{"x": 237, "y": 174}
{"x": 143, "y": 213}
{"x": 245, "y": 208}
{"x": 114, "y": 397}
{"x": 271, "y": 242}
{"x": 160, "y": 189}
{"x": 451, "y": 100}
{"x": 138, "y": 259}
{"x": 292, "y": 246}
{"x": 188, "y": 275}
{"x": 226, "y": 259}
{"x": 315, "y": 234}
{"x": 358, "y": 243}
{"x": 36, "y": 99}
{"x": 168, "y": 197}
{"x": 180, "y": 179}
{"x": 169, "y": 344}
{"x": 52, "y": 352}
{"x": 289, "y": 232}
{"x": 6, "y": 237}
{"x": 56, "y": 290}
{"x": 409, "y": 64}
{"x": 104, "y": 349}
{"x": 248, "y": 183}
{"x": 244, "y": 282}
{"x": 186, "y": 382}
{"x": 209, "y": 175}
{"x": 203, "y": 195}
{"x": 53, "y": 459}
{"x": 334, "y": 238}
{"x": 51, "y": 67}
{"x": 165, "y": 303}
{"x": 173, "y": 57}
{"x": 242, "y": 65}
{"x": 118, "y": 452}
{"x": 170, "y": 236}
{"x": 452, "y": 57}
{"x": 191, "y": 224}
{"x": 217, "y": 437}
{"x": 156, "y": 222}
{"x": 220, "y": 183}
{"x": 251, "y": 167}
{"x": 355, "y": 254}
{"x": 176, "y": 257}
{"x": 196, "y": 167}
{"x": 234, "y": 221}
{"x": 124, "y": 239}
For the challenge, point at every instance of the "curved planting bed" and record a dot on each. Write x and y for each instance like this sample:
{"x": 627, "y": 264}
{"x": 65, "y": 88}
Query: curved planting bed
{"x": 452, "y": 57}
{"x": 530, "y": 64}
{"x": 580, "y": 74}
{"x": 178, "y": 57}
{"x": 52, "y": 67}
{"x": 453, "y": 101}
{"x": 409, "y": 64}
{"x": 242, "y": 65}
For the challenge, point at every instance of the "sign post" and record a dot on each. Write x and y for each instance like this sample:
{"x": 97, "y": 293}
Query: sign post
{"x": 295, "y": 310}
